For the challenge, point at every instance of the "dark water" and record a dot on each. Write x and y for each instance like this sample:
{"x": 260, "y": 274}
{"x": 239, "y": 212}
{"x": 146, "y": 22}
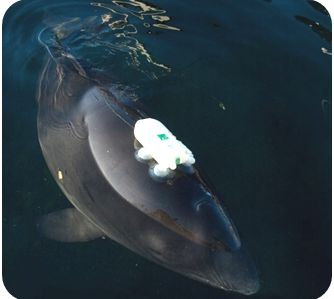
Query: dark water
{"x": 245, "y": 84}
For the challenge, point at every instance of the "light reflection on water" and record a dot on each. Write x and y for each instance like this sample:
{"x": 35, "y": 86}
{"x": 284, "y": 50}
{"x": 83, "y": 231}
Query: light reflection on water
{"x": 113, "y": 31}
{"x": 246, "y": 76}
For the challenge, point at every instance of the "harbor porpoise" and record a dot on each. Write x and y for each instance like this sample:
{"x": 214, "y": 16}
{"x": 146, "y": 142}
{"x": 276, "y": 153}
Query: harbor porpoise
{"x": 86, "y": 136}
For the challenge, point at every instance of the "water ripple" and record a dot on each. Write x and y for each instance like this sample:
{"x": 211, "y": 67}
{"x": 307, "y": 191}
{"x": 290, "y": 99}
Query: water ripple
{"x": 110, "y": 40}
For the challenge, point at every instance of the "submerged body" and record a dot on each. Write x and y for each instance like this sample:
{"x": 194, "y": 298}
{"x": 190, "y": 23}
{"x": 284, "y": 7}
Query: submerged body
{"x": 86, "y": 135}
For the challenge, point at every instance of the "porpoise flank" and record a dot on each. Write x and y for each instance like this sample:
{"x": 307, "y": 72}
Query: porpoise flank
{"x": 86, "y": 136}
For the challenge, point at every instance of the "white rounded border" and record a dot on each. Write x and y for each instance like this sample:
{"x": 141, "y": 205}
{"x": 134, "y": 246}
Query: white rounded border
{"x": 329, "y": 4}
{"x": 4, "y": 5}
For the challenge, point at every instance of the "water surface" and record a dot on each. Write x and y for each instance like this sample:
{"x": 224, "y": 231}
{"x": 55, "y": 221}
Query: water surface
{"x": 245, "y": 84}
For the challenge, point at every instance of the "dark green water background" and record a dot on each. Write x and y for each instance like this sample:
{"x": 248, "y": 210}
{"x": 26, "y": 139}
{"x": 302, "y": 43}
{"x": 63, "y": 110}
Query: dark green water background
{"x": 249, "y": 93}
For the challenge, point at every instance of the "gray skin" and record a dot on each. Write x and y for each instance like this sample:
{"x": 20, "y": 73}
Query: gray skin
{"x": 86, "y": 136}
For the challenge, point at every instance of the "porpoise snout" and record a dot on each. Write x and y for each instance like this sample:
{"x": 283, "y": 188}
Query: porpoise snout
{"x": 235, "y": 271}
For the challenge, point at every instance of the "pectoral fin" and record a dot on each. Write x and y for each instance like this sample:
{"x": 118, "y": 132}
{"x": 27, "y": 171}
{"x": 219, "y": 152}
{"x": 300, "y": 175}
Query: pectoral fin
{"x": 68, "y": 225}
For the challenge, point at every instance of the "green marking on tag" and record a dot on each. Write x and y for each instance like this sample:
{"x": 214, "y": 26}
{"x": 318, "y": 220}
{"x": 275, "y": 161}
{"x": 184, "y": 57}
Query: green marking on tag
{"x": 177, "y": 161}
{"x": 162, "y": 136}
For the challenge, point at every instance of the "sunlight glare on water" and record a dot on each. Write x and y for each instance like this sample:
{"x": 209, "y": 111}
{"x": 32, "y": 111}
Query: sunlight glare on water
{"x": 245, "y": 84}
